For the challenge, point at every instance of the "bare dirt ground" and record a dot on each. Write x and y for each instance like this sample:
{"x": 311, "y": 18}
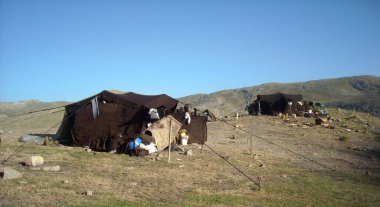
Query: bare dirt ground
{"x": 345, "y": 170}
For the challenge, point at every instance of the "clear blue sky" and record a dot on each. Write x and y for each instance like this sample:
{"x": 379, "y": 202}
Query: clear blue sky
{"x": 68, "y": 50}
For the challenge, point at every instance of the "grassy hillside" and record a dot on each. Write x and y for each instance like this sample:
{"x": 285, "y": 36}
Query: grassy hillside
{"x": 361, "y": 93}
{"x": 14, "y": 108}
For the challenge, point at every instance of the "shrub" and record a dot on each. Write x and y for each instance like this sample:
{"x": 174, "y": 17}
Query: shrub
{"x": 343, "y": 138}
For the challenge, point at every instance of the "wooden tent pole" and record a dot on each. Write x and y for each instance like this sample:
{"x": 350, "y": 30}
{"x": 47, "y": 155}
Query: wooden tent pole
{"x": 250, "y": 145}
{"x": 259, "y": 109}
{"x": 170, "y": 140}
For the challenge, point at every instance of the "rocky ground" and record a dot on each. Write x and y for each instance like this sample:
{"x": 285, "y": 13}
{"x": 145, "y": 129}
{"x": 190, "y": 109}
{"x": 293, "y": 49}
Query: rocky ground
{"x": 295, "y": 163}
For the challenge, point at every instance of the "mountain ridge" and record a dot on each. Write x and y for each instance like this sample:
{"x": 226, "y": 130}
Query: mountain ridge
{"x": 361, "y": 93}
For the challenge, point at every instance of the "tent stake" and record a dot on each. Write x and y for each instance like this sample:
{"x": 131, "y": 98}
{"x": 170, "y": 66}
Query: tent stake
{"x": 170, "y": 140}
{"x": 250, "y": 145}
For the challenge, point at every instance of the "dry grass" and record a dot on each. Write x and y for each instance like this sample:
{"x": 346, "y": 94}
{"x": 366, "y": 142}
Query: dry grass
{"x": 204, "y": 179}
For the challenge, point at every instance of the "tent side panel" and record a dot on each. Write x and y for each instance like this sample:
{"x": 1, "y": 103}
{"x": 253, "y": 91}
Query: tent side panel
{"x": 197, "y": 129}
{"x": 106, "y": 131}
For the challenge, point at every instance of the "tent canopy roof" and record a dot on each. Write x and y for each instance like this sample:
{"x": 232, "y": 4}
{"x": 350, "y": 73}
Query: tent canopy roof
{"x": 277, "y": 96}
{"x": 148, "y": 101}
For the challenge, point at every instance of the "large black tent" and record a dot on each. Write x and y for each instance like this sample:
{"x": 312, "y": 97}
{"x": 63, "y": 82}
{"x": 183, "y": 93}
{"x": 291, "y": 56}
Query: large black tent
{"x": 106, "y": 121}
{"x": 273, "y": 104}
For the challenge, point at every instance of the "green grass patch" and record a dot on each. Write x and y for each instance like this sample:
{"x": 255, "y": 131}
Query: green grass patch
{"x": 343, "y": 138}
{"x": 186, "y": 200}
{"x": 321, "y": 189}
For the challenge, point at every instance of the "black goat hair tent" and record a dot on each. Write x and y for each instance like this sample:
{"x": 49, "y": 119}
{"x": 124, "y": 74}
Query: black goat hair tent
{"x": 108, "y": 121}
{"x": 273, "y": 104}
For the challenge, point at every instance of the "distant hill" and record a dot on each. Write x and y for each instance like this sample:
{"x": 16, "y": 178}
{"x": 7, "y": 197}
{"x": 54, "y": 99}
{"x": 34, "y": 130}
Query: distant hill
{"x": 13, "y": 108}
{"x": 361, "y": 93}
{"x": 21, "y": 107}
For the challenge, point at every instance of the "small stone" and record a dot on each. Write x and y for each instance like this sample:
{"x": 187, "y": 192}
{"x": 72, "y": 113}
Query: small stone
{"x": 88, "y": 193}
{"x": 23, "y": 182}
{"x": 179, "y": 148}
{"x": 250, "y": 165}
{"x": 189, "y": 152}
{"x": 66, "y": 181}
{"x": 156, "y": 158}
{"x": 181, "y": 166}
{"x": 34, "y": 161}
{"x": 52, "y": 168}
{"x": 1, "y": 131}
{"x": 88, "y": 150}
{"x": 132, "y": 184}
{"x": 35, "y": 168}
{"x": 262, "y": 165}
{"x": 284, "y": 176}
{"x": 10, "y": 174}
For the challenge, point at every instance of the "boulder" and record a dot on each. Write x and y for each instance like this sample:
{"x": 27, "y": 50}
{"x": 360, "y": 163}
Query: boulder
{"x": 10, "y": 174}
{"x": 88, "y": 193}
{"x": 189, "y": 152}
{"x": 34, "y": 161}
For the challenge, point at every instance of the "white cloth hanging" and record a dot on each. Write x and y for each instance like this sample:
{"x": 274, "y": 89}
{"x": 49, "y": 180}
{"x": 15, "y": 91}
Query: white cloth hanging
{"x": 187, "y": 118}
{"x": 95, "y": 107}
{"x": 153, "y": 113}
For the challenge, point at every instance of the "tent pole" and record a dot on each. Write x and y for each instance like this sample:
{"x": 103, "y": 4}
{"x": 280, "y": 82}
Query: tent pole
{"x": 170, "y": 140}
{"x": 259, "y": 109}
{"x": 250, "y": 145}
